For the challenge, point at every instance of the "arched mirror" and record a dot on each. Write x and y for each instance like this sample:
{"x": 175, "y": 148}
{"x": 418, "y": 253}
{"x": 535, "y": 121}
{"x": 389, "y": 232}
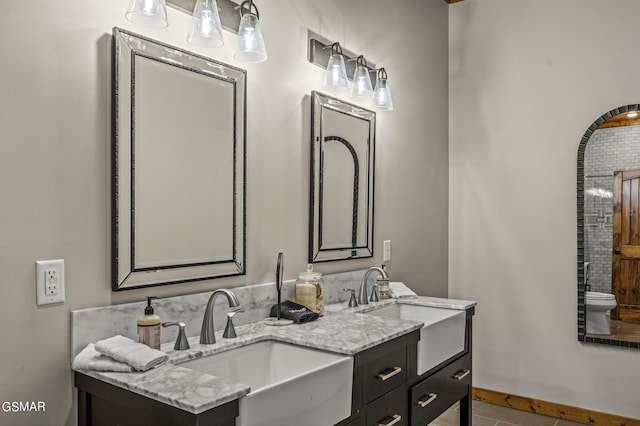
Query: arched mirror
{"x": 609, "y": 230}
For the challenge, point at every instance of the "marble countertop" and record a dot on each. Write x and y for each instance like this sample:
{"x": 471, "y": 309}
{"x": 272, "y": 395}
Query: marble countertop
{"x": 341, "y": 329}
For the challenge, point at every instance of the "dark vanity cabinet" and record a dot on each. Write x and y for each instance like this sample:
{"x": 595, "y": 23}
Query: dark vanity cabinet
{"x": 432, "y": 396}
{"x": 103, "y": 404}
{"x": 387, "y": 390}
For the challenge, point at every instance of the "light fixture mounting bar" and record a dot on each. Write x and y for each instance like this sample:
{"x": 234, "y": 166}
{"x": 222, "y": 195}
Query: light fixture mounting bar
{"x": 319, "y": 53}
{"x": 229, "y": 12}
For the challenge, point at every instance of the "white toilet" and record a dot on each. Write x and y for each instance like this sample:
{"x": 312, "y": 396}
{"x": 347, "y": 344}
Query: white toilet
{"x": 598, "y": 304}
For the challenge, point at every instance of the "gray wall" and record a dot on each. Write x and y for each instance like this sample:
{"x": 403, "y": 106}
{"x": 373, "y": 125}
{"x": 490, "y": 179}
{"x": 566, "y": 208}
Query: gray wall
{"x": 527, "y": 78}
{"x": 55, "y": 149}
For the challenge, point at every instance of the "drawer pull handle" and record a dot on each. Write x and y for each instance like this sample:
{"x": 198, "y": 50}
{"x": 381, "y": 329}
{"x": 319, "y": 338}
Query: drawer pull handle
{"x": 462, "y": 374}
{"x": 396, "y": 419}
{"x": 432, "y": 397}
{"x": 395, "y": 370}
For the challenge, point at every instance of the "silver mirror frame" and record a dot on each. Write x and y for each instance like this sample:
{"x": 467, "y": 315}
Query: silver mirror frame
{"x": 582, "y": 327}
{"x": 318, "y": 250}
{"x": 126, "y": 47}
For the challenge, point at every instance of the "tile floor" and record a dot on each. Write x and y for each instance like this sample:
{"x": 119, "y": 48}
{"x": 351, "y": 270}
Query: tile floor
{"x": 494, "y": 415}
{"x": 625, "y": 330}
{"x": 621, "y": 330}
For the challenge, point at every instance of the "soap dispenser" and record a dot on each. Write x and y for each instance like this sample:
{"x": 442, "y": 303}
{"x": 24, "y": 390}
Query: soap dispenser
{"x": 149, "y": 326}
{"x": 383, "y": 286}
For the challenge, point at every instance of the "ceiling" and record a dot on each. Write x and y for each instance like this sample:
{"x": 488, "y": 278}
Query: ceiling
{"x": 621, "y": 120}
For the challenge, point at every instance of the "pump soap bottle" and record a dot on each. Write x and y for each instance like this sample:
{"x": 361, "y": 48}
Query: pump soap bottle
{"x": 383, "y": 286}
{"x": 149, "y": 326}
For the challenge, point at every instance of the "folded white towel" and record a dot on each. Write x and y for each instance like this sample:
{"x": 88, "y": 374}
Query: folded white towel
{"x": 399, "y": 290}
{"x": 140, "y": 357}
{"x": 90, "y": 359}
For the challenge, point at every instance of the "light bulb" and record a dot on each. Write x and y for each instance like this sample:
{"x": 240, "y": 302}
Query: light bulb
{"x": 148, "y": 8}
{"x": 151, "y": 13}
{"x": 206, "y": 22}
{"x": 382, "y": 99}
{"x": 335, "y": 78}
{"x": 335, "y": 74}
{"x": 381, "y": 96}
{"x": 251, "y": 46}
{"x": 361, "y": 90}
{"x": 249, "y": 40}
{"x": 360, "y": 87}
{"x": 205, "y": 29}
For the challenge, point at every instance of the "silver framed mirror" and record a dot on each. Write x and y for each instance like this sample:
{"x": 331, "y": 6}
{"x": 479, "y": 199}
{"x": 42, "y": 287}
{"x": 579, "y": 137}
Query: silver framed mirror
{"x": 342, "y": 180}
{"x": 608, "y": 270}
{"x": 178, "y": 165}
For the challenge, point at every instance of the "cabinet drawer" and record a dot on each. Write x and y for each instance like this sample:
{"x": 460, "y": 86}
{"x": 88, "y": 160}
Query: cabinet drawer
{"x": 384, "y": 374}
{"x": 390, "y": 410}
{"x": 434, "y": 395}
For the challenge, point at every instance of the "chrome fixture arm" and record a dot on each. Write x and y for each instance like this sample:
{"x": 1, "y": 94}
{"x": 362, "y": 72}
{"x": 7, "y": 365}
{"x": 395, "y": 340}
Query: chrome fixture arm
{"x": 207, "y": 333}
{"x": 362, "y": 296}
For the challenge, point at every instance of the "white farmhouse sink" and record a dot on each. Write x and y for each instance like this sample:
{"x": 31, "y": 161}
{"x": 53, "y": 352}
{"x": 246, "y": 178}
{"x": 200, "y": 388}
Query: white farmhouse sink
{"x": 290, "y": 385}
{"x": 441, "y": 336}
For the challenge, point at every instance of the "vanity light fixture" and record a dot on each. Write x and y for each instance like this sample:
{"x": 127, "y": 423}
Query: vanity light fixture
{"x": 209, "y": 17}
{"x": 150, "y": 13}
{"x": 335, "y": 77}
{"x": 330, "y": 56}
{"x": 250, "y": 40}
{"x": 382, "y": 99}
{"x": 206, "y": 30}
{"x": 361, "y": 91}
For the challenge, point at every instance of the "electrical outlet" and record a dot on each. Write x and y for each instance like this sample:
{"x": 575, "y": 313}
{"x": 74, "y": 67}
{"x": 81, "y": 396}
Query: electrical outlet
{"x": 49, "y": 281}
{"x": 386, "y": 250}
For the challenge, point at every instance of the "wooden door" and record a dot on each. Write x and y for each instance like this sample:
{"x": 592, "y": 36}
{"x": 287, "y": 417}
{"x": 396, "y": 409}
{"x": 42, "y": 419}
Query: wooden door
{"x": 625, "y": 271}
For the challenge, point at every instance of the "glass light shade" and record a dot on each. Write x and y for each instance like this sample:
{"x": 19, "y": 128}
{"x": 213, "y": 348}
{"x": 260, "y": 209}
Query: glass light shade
{"x": 335, "y": 77}
{"x": 206, "y": 30}
{"x": 250, "y": 41}
{"x": 361, "y": 90}
{"x": 150, "y": 13}
{"x": 382, "y": 99}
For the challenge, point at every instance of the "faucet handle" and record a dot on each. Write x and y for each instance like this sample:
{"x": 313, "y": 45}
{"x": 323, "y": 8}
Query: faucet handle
{"x": 375, "y": 296}
{"x": 230, "y": 330}
{"x": 353, "y": 302}
{"x": 181, "y": 341}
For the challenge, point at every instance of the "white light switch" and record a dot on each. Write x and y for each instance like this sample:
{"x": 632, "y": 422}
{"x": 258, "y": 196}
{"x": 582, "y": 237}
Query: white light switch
{"x": 49, "y": 281}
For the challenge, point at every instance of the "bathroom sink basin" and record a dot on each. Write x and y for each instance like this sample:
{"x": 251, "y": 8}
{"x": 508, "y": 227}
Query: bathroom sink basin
{"x": 289, "y": 384}
{"x": 441, "y": 336}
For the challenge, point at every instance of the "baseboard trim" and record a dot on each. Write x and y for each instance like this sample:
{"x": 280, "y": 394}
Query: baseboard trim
{"x": 546, "y": 408}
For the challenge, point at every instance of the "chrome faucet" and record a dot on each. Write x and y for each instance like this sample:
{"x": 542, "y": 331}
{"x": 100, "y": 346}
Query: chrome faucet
{"x": 207, "y": 333}
{"x": 362, "y": 296}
